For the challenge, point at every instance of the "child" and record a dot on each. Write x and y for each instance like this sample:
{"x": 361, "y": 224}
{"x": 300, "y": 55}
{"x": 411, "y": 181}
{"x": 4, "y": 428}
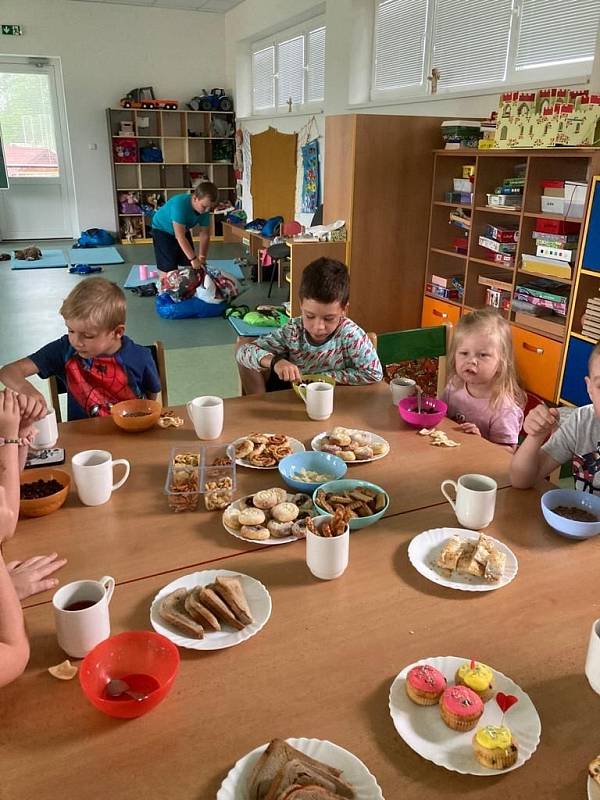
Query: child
{"x": 172, "y": 223}
{"x": 95, "y": 361}
{"x": 323, "y": 340}
{"x": 576, "y": 440}
{"x": 483, "y": 393}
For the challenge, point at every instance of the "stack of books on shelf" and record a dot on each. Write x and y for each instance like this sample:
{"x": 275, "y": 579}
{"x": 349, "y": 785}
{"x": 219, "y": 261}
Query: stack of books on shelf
{"x": 448, "y": 287}
{"x": 591, "y": 319}
{"x": 510, "y": 192}
{"x": 500, "y": 243}
{"x": 542, "y": 294}
{"x": 554, "y": 249}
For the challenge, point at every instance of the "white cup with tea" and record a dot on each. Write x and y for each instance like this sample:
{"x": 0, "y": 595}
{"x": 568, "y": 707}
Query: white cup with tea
{"x": 81, "y": 615}
{"x": 206, "y": 414}
{"x": 592, "y": 661}
{"x": 46, "y": 431}
{"x": 402, "y": 387}
{"x": 318, "y": 397}
{"x": 93, "y": 475}
{"x": 327, "y": 556}
{"x": 475, "y": 500}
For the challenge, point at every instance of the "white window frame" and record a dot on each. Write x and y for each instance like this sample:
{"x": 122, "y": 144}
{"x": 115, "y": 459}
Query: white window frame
{"x": 571, "y": 73}
{"x": 273, "y": 41}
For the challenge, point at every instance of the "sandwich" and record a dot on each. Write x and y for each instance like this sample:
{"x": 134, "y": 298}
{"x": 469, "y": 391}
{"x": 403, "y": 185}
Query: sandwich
{"x": 298, "y": 773}
{"x": 229, "y": 588}
{"x": 172, "y": 610}
{"x": 198, "y": 611}
{"x": 307, "y": 793}
{"x": 211, "y": 600}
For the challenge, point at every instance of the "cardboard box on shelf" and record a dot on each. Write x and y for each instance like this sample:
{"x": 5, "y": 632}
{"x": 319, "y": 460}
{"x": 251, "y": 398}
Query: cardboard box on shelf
{"x": 504, "y": 233}
{"x": 559, "y": 226}
{"x": 560, "y": 205}
{"x": 497, "y": 247}
{"x": 506, "y": 200}
{"x": 445, "y": 281}
{"x": 539, "y": 265}
{"x": 548, "y": 251}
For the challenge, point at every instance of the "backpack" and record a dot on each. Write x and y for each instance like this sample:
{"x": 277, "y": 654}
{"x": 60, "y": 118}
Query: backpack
{"x": 151, "y": 154}
{"x": 94, "y": 237}
{"x": 255, "y": 225}
{"x": 271, "y": 226}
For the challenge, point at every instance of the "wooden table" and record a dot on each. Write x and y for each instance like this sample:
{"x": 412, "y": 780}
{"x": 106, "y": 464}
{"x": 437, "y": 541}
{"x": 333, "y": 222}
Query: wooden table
{"x": 135, "y": 535}
{"x": 322, "y": 667}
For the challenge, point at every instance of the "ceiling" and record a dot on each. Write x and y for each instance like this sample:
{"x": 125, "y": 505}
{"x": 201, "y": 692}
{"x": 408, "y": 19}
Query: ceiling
{"x": 213, "y": 6}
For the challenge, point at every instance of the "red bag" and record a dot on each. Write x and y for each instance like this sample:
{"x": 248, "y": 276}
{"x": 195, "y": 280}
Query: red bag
{"x": 125, "y": 150}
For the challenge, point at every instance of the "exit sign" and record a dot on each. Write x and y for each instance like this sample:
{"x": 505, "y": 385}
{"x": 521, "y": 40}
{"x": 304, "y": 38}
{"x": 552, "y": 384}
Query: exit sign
{"x": 12, "y": 30}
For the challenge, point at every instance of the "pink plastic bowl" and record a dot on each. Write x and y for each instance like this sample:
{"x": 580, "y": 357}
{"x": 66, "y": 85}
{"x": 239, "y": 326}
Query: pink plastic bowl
{"x": 132, "y": 652}
{"x": 407, "y": 406}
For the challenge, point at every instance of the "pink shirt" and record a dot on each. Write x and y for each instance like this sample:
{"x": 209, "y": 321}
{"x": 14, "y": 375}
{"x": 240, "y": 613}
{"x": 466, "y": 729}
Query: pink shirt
{"x": 500, "y": 425}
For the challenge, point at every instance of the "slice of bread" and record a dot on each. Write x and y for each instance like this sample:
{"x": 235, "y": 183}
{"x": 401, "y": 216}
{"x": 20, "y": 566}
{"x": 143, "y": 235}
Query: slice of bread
{"x": 209, "y": 598}
{"x": 307, "y": 793}
{"x": 172, "y": 610}
{"x": 198, "y": 611}
{"x": 297, "y": 772}
{"x": 229, "y": 588}
{"x": 277, "y": 754}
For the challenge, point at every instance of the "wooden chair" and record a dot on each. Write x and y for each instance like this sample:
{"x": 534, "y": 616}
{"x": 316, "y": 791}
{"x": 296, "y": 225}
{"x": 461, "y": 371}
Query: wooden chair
{"x": 410, "y": 345}
{"x": 158, "y": 354}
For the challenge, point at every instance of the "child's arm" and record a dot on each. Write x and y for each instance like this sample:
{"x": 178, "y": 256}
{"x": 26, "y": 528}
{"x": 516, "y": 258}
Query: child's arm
{"x": 260, "y": 353}
{"x": 14, "y": 647}
{"x": 359, "y": 351}
{"x": 530, "y": 463}
{"x": 14, "y": 376}
{"x": 10, "y": 422}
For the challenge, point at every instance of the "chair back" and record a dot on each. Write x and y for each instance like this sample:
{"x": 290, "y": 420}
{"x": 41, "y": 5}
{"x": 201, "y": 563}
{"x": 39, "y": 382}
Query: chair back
{"x": 416, "y": 344}
{"x": 291, "y": 228}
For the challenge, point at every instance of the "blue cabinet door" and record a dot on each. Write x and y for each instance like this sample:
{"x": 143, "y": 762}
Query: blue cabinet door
{"x": 573, "y": 386}
{"x": 591, "y": 253}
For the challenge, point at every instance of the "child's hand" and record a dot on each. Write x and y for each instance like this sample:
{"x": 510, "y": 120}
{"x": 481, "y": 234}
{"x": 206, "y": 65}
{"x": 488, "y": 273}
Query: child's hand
{"x": 469, "y": 427}
{"x": 10, "y": 414}
{"x": 541, "y": 421}
{"x": 31, "y": 577}
{"x": 32, "y": 406}
{"x": 287, "y": 371}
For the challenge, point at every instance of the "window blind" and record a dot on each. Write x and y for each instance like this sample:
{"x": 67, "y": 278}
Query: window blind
{"x": 400, "y": 29}
{"x": 316, "y": 66}
{"x": 263, "y": 70}
{"x": 557, "y": 32}
{"x": 290, "y": 71}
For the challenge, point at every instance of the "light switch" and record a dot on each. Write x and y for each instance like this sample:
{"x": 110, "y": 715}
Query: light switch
{"x": 93, "y": 146}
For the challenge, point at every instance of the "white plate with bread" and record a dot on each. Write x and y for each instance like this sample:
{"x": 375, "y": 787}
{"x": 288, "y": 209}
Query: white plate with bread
{"x": 461, "y": 559}
{"x": 211, "y": 610}
{"x": 352, "y": 445}
{"x": 273, "y": 768}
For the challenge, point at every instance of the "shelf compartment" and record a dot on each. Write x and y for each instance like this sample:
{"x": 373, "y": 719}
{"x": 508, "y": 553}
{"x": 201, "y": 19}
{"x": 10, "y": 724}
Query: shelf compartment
{"x": 174, "y": 175}
{"x": 561, "y": 167}
{"x": 122, "y": 115}
{"x": 126, "y": 176}
{"x": 173, "y": 124}
{"x": 175, "y": 151}
{"x": 147, "y": 123}
{"x": 151, "y": 176}
{"x": 198, "y": 123}
{"x": 490, "y": 174}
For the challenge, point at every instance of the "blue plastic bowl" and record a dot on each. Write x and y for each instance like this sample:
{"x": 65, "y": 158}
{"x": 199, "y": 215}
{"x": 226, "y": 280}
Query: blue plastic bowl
{"x": 569, "y": 527}
{"x": 345, "y": 485}
{"x": 315, "y": 461}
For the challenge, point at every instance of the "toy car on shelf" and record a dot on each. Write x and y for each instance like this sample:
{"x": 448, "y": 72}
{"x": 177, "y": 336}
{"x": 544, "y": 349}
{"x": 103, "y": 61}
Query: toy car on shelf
{"x": 143, "y": 97}
{"x": 215, "y": 100}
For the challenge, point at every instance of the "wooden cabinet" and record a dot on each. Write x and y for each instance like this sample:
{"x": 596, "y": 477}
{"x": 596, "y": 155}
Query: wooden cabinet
{"x": 438, "y": 312}
{"x": 191, "y": 151}
{"x": 377, "y": 178}
{"x": 456, "y": 255}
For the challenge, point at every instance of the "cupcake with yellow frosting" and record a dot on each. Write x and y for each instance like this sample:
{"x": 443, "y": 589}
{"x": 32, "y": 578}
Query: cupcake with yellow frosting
{"x": 495, "y": 747}
{"x": 477, "y": 677}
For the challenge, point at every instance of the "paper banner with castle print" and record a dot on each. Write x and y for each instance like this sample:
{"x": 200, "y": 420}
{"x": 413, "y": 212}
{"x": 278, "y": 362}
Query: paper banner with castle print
{"x": 547, "y": 118}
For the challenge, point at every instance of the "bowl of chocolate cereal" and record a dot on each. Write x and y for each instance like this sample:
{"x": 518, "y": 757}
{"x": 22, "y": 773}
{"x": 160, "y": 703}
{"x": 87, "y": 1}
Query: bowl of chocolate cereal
{"x": 43, "y": 491}
{"x": 136, "y": 415}
{"x": 573, "y": 514}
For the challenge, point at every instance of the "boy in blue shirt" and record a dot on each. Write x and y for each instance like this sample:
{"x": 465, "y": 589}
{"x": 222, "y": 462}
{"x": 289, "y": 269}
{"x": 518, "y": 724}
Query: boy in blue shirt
{"x": 95, "y": 361}
{"x": 172, "y": 225}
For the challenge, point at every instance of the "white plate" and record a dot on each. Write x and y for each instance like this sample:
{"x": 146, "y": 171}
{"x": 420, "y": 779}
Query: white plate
{"x": 295, "y": 444}
{"x": 235, "y": 785}
{"x": 316, "y": 444}
{"x": 423, "y": 729}
{"x": 258, "y": 598}
{"x": 272, "y": 539}
{"x": 593, "y": 790}
{"x": 424, "y": 549}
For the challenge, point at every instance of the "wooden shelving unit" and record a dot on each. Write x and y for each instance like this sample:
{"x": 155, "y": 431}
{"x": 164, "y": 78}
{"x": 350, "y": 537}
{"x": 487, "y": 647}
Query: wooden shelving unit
{"x": 190, "y": 154}
{"x": 538, "y": 352}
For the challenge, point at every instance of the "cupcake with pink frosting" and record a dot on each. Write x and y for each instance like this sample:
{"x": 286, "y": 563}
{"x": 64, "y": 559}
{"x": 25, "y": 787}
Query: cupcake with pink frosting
{"x": 460, "y": 708}
{"x": 425, "y": 685}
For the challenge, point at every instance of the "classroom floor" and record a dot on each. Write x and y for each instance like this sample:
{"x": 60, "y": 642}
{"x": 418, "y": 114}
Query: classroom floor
{"x": 199, "y": 352}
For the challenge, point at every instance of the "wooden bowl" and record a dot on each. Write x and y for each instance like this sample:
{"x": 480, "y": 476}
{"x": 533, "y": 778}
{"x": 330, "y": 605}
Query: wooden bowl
{"x": 149, "y": 408}
{"x": 41, "y": 506}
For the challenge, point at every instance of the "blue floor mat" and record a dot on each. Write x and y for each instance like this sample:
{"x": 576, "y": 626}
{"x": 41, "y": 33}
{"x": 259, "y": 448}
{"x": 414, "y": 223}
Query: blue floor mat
{"x": 243, "y": 329}
{"x": 133, "y": 279}
{"x": 49, "y": 260}
{"x": 95, "y": 255}
{"x": 226, "y": 266}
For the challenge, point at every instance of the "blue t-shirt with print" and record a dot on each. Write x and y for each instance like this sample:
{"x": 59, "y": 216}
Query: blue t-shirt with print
{"x": 95, "y": 384}
{"x": 179, "y": 209}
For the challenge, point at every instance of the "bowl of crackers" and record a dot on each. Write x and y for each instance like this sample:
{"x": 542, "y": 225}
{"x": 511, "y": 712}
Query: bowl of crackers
{"x": 135, "y": 416}
{"x": 432, "y": 412}
{"x": 362, "y": 502}
{"x": 306, "y": 471}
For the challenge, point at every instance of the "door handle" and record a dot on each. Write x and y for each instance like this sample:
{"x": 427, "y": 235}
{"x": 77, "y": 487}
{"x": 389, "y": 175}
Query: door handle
{"x": 537, "y": 350}
{"x": 441, "y": 314}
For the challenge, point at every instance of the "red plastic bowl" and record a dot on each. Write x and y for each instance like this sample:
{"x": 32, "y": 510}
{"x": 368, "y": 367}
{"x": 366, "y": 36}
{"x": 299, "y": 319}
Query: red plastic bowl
{"x": 406, "y": 410}
{"x": 133, "y": 652}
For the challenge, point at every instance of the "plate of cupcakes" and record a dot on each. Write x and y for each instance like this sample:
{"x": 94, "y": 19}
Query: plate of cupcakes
{"x": 464, "y": 716}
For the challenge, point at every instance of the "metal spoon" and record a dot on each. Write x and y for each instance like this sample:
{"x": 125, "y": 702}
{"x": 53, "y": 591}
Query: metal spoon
{"x": 117, "y": 687}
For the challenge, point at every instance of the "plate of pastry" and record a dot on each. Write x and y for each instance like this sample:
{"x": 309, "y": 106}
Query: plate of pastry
{"x": 273, "y": 770}
{"x": 265, "y": 450}
{"x": 211, "y": 610}
{"x": 351, "y": 445}
{"x": 461, "y": 559}
{"x": 271, "y": 516}
{"x": 464, "y": 716}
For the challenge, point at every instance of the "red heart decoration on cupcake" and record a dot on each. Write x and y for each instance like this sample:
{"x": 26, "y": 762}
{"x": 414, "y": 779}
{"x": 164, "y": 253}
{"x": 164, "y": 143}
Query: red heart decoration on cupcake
{"x": 505, "y": 701}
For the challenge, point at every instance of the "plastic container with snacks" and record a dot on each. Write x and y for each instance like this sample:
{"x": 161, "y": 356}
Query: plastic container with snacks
{"x": 195, "y": 470}
{"x": 182, "y": 486}
{"x": 218, "y": 476}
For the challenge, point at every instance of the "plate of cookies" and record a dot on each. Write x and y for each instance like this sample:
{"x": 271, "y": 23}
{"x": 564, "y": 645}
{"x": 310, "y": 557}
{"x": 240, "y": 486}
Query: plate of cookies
{"x": 351, "y": 445}
{"x": 265, "y": 450}
{"x": 464, "y": 716}
{"x": 461, "y": 559}
{"x": 211, "y": 610}
{"x": 271, "y": 516}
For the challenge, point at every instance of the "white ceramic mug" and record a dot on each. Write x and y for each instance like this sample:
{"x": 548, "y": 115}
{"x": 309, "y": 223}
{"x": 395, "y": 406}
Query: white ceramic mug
{"x": 327, "y": 556}
{"x": 401, "y": 388}
{"x": 592, "y": 661}
{"x": 206, "y": 414}
{"x": 81, "y": 628}
{"x": 318, "y": 397}
{"x": 475, "y": 501}
{"x": 93, "y": 475}
{"x": 46, "y": 431}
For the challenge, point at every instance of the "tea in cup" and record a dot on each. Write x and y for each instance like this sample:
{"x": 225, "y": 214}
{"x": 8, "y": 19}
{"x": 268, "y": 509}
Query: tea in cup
{"x": 81, "y": 615}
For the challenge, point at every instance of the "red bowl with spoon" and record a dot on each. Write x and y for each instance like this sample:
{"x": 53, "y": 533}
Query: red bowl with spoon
{"x": 130, "y": 673}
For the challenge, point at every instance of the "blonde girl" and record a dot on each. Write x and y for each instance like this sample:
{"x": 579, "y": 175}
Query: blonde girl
{"x": 483, "y": 393}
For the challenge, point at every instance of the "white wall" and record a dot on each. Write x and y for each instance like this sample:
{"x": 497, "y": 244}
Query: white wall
{"x": 105, "y": 50}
